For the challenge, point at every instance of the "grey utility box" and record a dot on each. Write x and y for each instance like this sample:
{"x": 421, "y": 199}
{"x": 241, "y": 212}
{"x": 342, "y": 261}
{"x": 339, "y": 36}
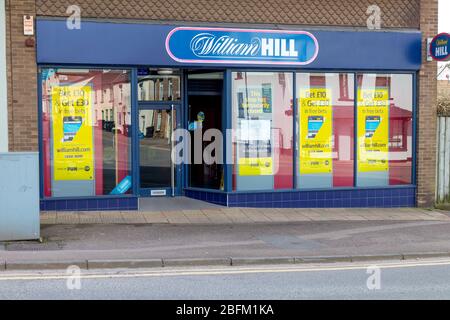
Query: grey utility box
{"x": 19, "y": 196}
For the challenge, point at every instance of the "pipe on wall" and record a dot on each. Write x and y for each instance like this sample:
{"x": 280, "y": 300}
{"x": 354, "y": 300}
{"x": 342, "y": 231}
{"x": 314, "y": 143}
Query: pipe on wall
{"x": 3, "y": 79}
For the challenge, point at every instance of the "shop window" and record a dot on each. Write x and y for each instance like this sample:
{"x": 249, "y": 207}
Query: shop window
{"x": 325, "y": 130}
{"x": 385, "y": 110}
{"x": 83, "y": 155}
{"x": 263, "y": 136}
{"x": 159, "y": 84}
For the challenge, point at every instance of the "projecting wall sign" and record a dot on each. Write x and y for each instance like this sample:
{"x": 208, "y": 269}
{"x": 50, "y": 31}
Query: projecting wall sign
{"x": 241, "y": 46}
{"x": 440, "y": 47}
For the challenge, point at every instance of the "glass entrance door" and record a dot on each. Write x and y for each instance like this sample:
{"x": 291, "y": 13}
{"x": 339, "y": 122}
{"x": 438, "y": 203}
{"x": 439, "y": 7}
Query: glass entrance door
{"x": 158, "y": 176}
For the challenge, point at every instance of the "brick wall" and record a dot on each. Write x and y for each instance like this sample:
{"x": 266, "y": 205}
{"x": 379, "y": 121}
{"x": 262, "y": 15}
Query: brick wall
{"x": 426, "y": 124}
{"x": 395, "y": 13}
{"x": 22, "y": 86}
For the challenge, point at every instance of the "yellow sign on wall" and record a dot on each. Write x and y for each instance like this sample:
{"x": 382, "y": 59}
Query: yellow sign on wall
{"x": 255, "y": 166}
{"x": 73, "y": 154}
{"x": 373, "y": 130}
{"x": 316, "y": 129}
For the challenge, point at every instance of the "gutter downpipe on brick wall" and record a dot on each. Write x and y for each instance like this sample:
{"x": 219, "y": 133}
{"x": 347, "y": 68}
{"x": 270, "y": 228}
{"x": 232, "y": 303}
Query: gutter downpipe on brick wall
{"x": 3, "y": 79}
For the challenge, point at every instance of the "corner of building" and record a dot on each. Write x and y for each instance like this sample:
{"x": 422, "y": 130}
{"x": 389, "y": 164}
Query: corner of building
{"x": 3, "y": 81}
{"x": 21, "y": 73}
{"x": 427, "y": 116}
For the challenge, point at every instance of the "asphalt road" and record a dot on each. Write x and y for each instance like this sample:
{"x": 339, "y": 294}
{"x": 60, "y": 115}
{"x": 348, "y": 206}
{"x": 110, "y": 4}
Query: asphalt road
{"x": 418, "y": 280}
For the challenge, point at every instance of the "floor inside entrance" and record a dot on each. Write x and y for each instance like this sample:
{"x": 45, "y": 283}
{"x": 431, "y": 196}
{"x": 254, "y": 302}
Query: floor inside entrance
{"x": 174, "y": 204}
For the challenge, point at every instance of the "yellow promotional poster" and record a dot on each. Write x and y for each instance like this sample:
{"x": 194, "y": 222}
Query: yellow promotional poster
{"x": 72, "y": 133}
{"x": 255, "y": 166}
{"x": 255, "y": 100}
{"x": 316, "y": 129}
{"x": 373, "y": 130}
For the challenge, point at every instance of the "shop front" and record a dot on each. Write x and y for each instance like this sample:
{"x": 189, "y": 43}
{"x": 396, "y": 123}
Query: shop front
{"x": 235, "y": 116}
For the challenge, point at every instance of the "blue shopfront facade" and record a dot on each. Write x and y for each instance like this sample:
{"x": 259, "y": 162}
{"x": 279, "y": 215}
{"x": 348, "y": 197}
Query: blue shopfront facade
{"x": 290, "y": 66}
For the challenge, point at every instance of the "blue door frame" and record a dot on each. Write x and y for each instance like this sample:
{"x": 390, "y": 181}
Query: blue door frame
{"x": 176, "y": 190}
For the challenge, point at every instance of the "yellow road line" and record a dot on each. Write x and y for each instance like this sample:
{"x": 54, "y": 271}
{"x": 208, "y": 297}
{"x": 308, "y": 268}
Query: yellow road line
{"x": 226, "y": 271}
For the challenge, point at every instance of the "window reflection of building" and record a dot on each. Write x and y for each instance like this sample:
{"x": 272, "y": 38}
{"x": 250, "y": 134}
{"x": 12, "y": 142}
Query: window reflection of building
{"x": 154, "y": 86}
{"x": 110, "y": 120}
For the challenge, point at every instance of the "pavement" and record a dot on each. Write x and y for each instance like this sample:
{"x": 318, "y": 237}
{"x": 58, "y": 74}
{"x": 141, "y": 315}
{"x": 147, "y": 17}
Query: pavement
{"x": 229, "y": 237}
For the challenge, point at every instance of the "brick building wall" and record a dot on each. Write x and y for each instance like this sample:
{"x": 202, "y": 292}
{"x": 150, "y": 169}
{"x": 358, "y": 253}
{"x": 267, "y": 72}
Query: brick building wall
{"x": 427, "y": 118}
{"x": 396, "y": 13}
{"x": 412, "y": 14}
{"x": 22, "y": 79}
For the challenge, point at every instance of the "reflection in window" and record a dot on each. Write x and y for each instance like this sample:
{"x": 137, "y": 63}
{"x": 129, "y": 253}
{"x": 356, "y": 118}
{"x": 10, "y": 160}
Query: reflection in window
{"x": 325, "y": 124}
{"x": 262, "y": 119}
{"x": 384, "y": 129}
{"x": 82, "y": 154}
{"x": 159, "y": 85}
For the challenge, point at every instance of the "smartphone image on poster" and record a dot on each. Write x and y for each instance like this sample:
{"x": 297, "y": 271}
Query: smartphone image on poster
{"x": 314, "y": 125}
{"x": 71, "y": 125}
{"x": 372, "y": 123}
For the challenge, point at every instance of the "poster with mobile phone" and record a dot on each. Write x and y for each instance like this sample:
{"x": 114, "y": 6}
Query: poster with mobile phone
{"x": 72, "y": 133}
{"x": 373, "y": 130}
{"x": 316, "y": 128}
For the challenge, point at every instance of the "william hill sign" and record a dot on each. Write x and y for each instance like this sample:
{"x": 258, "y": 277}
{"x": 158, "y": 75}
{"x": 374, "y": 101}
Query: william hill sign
{"x": 241, "y": 46}
{"x": 440, "y": 47}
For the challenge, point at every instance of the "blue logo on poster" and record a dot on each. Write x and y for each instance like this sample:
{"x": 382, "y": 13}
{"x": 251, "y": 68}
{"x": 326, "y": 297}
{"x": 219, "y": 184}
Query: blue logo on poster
{"x": 440, "y": 47}
{"x": 241, "y": 46}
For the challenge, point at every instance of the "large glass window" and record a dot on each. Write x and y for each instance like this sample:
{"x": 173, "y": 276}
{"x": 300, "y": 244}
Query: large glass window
{"x": 86, "y": 132}
{"x": 325, "y": 130}
{"x": 263, "y": 124}
{"x": 159, "y": 84}
{"x": 385, "y": 110}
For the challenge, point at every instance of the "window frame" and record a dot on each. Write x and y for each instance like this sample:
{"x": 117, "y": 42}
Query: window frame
{"x": 226, "y": 120}
{"x": 132, "y": 79}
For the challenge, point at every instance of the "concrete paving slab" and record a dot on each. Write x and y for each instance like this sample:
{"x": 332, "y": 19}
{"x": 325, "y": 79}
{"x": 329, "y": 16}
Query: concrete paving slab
{"x": 197, "y": 262}
{"x": 46, "y": 265}
{"x": 175, "y": 217}
{"x": 67, "y": 217}
{"x": 112, "y": 217}
{"x": 90, "y": 217}
{"x": 133, "y": 217}
{"x": 154, "y": 217}
{"x": 124, "y": 263}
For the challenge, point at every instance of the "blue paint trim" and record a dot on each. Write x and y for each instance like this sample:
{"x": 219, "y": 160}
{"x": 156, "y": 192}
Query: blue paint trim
{"x": 414, "y": 129}
{"x": 355, "y": 129}
{"x": 185, "y": 124}
{"x": 40, "y": 134}
{"x": 134, "y": 128}
{"x": 295, "y": 128}
{"x": 145, "y": 192}
{"x": 159, "y": 105}
{"x": 228, "y": 114}
{"x": 122, "y": 43}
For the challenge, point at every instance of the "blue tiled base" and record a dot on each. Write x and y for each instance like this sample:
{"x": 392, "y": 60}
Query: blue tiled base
{"x": 350, "y": 198}
{"x": 212, "y": 197}
{"x": 104, "y": 203}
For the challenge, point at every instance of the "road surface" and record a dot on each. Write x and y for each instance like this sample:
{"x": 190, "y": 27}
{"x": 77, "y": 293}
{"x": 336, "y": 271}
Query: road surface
{"x": 394, "y": 280}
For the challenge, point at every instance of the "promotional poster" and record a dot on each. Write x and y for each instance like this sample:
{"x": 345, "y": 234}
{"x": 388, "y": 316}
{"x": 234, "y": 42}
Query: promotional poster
{"x": 72, "y": 133}
{"x": 316, "y": 127}
{"x": 255, "y": 116}
{"x": 373, "y": 130}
